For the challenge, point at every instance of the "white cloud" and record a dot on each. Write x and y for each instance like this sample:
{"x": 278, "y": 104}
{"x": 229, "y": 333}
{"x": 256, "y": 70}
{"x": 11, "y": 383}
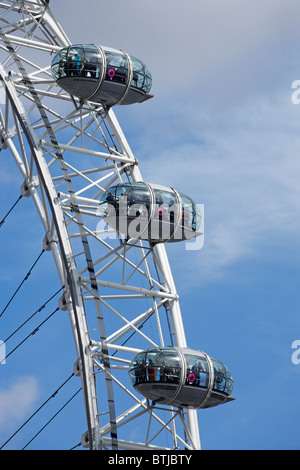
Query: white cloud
{"x": 244, "y": 166}
{"x": 16, "y": 402}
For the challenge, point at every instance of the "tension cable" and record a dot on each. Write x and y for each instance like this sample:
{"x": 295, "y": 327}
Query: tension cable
{"x": 25, "y": 279}
{"x": 31, "y": 316}
{"x": 3, "y": 220}
{"x": 45, "y": 402}
{"x": 30, "y": 334}
{"x": 73, "y": 396}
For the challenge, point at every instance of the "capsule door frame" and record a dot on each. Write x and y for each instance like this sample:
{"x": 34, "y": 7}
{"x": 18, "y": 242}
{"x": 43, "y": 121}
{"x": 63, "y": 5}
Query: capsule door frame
{"x": 129, "y": 78}
{"x": 150, "y": 215}
{"x": 102, "y": 75}
{"x": 202, "y": 404}
{"x": 182, "y": 377}
{"x": 153, "y": 207}
{"x": 179, "y": 212}
{"x": 210, "y": 382}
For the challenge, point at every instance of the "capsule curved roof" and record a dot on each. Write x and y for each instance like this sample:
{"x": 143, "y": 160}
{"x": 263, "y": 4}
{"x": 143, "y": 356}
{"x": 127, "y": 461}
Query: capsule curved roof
{"x": 192, "y": 352}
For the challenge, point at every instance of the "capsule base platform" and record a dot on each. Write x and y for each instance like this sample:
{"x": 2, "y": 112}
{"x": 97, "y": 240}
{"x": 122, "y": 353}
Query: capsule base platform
{"x": 109, "y": 93}
{"x": 191, "y": 397}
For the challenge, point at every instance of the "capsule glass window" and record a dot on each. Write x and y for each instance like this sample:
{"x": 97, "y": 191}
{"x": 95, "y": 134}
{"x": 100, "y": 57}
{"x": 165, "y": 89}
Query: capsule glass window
{"x": 58, "y": 64}
{"x": 191, "y": 217}
{"x": 77, "y": 61}
{"x": 137, "y": 372}
{"x": 92, "y": 62}
{"x": 171, "y": 370}
{"x": 219, "y": 376}
{"x": 156, "y": 366}
{"x": 229, "y": 381}
{"x": 228, "y": 386}
{"x": 197, "y": 371}
{"x": 139, "y": 193}
{"x": 141, "y": 76}
{"x": 134, "y": 194}
{"x": 116, "y": 67}
{"x": 166, "y": 205}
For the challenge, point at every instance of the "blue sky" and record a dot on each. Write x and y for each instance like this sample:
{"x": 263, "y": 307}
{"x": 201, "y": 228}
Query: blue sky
{"x": 223, "y": 128}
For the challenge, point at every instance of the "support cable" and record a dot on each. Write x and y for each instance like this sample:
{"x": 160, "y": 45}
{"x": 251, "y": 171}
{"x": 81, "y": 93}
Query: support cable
{"x": 76, "y": 393}
{"x": 45, "y": 402}
{"x": 75, "y": 447}
{"x": 72, "y": 397}
{"x": 20, "y": 285}
{"x": 3, "y": 220}
{"x": 30, "y": 334}
{"x": 29, "y": 318}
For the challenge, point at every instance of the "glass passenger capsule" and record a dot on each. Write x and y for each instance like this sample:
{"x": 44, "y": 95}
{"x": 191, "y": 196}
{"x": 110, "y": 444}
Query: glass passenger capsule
{"x": 181, "y": 377}
{"x": 150, "y": 212}
{"x": 101, "y": 74}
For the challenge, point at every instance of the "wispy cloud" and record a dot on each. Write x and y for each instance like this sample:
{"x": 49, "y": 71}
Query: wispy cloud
{"x": 243, "y": 165}
{"x": 16, "y": 402}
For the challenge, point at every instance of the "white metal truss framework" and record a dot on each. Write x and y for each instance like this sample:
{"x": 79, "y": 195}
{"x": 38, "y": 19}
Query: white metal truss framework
{"x": 120, "y": 297}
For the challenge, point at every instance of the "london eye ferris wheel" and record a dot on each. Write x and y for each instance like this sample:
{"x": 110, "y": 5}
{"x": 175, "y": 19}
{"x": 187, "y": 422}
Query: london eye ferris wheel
{"x": 106, "y": 229}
